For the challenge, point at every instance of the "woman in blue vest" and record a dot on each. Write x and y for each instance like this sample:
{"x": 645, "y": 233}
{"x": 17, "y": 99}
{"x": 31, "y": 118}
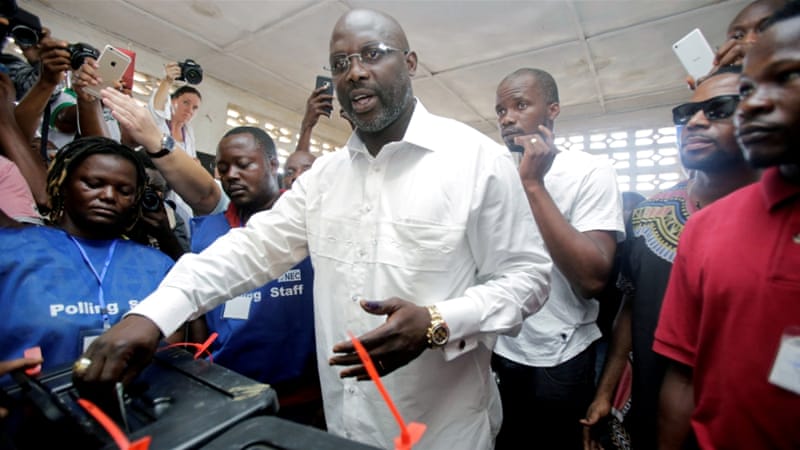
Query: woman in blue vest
{"x": 62, "y": 285}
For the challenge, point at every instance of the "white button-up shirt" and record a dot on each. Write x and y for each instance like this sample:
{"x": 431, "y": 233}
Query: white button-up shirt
{"x": 437, "y": 218}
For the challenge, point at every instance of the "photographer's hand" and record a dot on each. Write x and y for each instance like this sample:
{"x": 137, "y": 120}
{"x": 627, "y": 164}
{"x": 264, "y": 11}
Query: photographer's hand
{"x": 172, "y": 71}
{"x": 54, "y": 60}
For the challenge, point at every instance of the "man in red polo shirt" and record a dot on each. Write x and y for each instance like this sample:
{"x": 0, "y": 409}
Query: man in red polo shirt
{"x": 730, "y": 319}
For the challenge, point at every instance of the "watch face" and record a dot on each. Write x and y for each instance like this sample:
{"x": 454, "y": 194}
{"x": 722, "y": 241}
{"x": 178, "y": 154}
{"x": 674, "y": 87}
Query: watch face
{"x": 439, "y": 335}
{"x": 168, "y": 142}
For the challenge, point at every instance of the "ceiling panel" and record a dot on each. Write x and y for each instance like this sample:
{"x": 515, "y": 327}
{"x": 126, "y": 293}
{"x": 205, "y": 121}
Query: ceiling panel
{"x": 602, "y": 16}
{"x": 612, "y": 59}
{"x": 453, "y": 34}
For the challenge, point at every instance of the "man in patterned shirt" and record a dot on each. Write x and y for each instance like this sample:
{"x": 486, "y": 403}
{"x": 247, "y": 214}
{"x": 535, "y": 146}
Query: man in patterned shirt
{"x": 708, "y": 148}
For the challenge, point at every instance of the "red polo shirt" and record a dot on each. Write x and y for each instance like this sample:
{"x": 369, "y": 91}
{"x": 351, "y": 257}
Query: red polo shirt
{"x": 733, "y": 290}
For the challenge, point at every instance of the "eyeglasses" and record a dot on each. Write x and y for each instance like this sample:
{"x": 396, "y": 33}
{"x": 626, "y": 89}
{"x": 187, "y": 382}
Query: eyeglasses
{"x": 368, "y": 55}
{"x": 715, "y": 108}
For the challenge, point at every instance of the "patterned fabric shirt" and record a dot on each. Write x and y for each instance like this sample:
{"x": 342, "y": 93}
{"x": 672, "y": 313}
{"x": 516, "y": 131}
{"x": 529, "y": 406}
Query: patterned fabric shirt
{"x": 656, "y": 227}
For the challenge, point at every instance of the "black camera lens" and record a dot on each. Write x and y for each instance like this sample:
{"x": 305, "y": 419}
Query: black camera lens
{"x": 191, "y": 72}
{"x": 151, "y": 201}
{"x": 79, "y": 51}
{"x": 24, "y": 36}
{"x": 25, "y": 28}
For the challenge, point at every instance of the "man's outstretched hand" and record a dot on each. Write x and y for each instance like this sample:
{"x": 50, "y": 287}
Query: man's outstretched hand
{"x": 392, "y": 345}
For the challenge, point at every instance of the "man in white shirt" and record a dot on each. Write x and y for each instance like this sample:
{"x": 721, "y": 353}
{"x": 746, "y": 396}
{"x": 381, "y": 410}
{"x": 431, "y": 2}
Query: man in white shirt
{"x": 422, "y": 244}
{"x": 546, "y": 373}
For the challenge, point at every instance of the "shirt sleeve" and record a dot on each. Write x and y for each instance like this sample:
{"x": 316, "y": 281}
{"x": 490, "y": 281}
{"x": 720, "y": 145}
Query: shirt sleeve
{"x": 159, "y": 115}
{"x": 239, "y": 261}
{"x": 513, "y": 265}
{"x": 599, "y": 202}
{"x": 679, "y": 322}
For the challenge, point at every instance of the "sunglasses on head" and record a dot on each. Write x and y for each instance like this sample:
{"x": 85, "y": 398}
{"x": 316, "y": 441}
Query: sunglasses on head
{"x": 715, "y": 108}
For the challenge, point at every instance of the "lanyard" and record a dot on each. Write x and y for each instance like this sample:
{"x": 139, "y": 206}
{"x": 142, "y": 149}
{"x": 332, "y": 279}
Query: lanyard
{"x": 183, "y": 131}
{"x": 99, "y": 277}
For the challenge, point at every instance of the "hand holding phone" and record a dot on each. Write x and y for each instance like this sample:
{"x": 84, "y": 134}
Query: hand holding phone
{"x": 695, "y": 54}
{"x": 324, "y": 81}
{"x": 317, "y": 105}
{"x": 110, "y": 67}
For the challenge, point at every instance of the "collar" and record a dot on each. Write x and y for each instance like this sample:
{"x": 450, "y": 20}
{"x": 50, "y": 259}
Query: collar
{"x": 417, "y": 134}
{"x": 232, "y": 213}
{"x": 776, "y": 189}
{"x": 232, "y": 216}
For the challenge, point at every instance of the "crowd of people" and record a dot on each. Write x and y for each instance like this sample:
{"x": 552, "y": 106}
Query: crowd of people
{"x": 508, "y": 296}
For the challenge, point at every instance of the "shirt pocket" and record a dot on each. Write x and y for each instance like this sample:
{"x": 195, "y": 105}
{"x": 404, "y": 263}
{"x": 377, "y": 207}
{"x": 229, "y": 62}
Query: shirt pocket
{"x": 419, "y": 246}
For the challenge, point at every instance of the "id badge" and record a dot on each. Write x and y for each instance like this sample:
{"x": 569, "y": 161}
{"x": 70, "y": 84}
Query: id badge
{"x": 786, "y": 369}
{"x": 237, "y": 308}
{"x": 87, "y": 337}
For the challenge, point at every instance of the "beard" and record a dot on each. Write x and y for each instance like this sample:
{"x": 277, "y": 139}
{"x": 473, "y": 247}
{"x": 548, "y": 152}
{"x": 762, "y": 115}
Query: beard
{"x": 717, "y": 161}
{"x": 394, "y": 102}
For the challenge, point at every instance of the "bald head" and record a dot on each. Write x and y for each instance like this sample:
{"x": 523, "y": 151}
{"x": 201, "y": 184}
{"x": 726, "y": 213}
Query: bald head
{"x": 372, "y": 77}
{"x": 370, "y": 21}
{"x": 297, "y": 163}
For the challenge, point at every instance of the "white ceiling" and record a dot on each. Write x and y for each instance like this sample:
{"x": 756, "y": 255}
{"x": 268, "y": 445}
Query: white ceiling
{"x": 612, "y": 59}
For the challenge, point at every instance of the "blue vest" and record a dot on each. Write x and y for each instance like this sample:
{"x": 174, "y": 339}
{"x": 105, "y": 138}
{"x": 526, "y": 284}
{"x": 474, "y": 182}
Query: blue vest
{"x": 49, "y": 296}
{"x": 276, "y": 341}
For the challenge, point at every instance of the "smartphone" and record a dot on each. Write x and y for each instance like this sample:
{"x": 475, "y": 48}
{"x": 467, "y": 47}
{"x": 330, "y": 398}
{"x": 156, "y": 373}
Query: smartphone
{"x": 695, "y": 54}
{"x": 321, "y": 80}
{"x": 112, "y": 64}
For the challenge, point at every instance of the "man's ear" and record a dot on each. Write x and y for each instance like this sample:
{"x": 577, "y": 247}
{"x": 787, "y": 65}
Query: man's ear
{"x": 411, "y": 62}
{"x": 274, "y": 165}
{"x": 553, "y": 110}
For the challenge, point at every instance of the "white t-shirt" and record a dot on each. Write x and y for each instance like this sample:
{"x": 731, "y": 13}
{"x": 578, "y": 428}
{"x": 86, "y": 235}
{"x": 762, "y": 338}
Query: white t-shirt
{"x": 584, "y": 187}
{"x": 189, "y": 145}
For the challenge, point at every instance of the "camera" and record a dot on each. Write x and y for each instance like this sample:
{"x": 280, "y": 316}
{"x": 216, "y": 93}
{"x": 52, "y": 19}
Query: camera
{"x": 25, "y": 28}
{"x": 191, "y": 72}
{"x": 79, "y": 51}
{"x": 151, "y": 201}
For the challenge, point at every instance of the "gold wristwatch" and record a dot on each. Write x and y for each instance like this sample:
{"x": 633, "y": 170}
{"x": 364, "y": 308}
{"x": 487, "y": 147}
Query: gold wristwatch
{"x": 438, "y": 334}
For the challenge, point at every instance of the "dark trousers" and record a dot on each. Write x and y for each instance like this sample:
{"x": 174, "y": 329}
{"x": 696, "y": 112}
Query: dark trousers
{"x": 542, "y": 405}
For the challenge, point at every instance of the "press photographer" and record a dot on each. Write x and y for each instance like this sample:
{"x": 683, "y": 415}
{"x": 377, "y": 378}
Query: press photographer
{"x": 173, "y": 112}
{"x": 25, "y": 30}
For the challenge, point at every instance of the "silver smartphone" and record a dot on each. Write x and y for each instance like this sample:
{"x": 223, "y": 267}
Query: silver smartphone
{"x": 111, "y": 66}
{"x": 695, "y": 54}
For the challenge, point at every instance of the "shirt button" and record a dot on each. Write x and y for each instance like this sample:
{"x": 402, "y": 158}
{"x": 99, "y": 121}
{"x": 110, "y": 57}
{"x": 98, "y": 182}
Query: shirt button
{"x": 350, "y": 390}
{"x": 367, "y": 208}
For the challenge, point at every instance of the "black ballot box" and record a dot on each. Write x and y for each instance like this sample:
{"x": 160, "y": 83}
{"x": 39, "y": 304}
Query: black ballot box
{"x": 180, "y": 402}
{"x": 273, "y": 433}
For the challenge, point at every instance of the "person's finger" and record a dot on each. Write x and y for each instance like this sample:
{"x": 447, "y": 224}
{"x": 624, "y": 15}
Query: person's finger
{"x": 691, "y": 83}
{"x": 19, "y": 363}
{"x": 587, "y": 439}
{"x": 547, "y": 135}
{"x": 732, "y": 57}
